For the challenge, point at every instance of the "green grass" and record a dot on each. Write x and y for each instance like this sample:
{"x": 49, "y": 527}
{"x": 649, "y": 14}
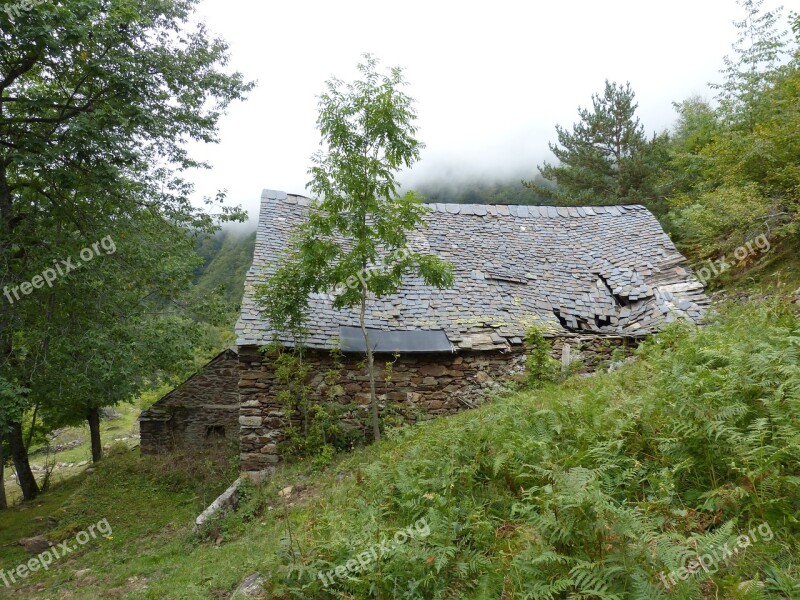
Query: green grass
{"x": 588, "y": 489}
{"x": 149, "y": 503}
{"x": 126, "y": 426}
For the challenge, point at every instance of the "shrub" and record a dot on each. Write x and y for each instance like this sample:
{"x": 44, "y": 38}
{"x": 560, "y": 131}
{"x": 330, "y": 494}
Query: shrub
{"x": 541, "y": 366}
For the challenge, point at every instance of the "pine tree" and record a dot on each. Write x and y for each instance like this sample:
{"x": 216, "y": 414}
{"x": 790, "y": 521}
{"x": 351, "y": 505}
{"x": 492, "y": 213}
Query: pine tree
{"x": 606, "y": 158}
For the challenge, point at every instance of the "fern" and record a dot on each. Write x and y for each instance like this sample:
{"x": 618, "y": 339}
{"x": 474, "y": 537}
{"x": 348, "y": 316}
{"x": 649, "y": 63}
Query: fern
{"x": 595, "y": 489}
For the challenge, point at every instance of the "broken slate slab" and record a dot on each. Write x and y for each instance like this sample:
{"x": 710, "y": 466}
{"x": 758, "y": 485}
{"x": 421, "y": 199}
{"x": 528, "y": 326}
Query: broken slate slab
{"x": 227, "y": 501}
{"x": 251, "y": 587}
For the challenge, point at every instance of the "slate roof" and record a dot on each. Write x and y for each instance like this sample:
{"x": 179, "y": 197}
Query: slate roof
{"x": 585, "y": 270}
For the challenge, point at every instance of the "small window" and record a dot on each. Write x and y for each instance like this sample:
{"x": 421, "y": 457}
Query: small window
{"x": 215, "y": 432}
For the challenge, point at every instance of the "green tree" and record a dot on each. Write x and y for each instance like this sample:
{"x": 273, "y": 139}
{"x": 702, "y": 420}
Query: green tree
{"x": 606, "y": 158}
{"x": 760, "y": 50}
{"x": 733, "y": 169}
{"x": 119, "y": 326}
{"x": 360, "y": 224}
{"x": 97, "y": 101}
{"x": 11, "y": 399}
{"x": 697, "y": 127}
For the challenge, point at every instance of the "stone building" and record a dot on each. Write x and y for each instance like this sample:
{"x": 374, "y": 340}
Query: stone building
{"x": 202, "y": 410}
{"x": 595, "y": 278}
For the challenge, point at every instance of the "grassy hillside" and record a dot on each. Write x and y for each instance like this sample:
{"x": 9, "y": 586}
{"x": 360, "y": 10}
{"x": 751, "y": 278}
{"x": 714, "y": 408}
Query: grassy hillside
{"x": 607, "y": 487}
{"x": 67, "y": 451}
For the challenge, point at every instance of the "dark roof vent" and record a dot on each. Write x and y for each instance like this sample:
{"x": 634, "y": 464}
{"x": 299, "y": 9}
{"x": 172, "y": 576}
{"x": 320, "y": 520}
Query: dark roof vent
{"x": 507, "y": 277}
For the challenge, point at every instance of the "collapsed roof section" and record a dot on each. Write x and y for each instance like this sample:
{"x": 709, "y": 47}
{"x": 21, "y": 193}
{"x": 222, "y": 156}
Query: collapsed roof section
{"x": 578, "y": 270}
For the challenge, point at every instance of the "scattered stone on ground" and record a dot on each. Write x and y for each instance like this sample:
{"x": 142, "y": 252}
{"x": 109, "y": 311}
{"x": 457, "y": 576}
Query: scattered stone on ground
{"x": 109, "y": 414}
{"x": 53, "y": 449}
{"x": 36, "y": 544}
{"x": 228, "y": 500}
{"x": 50, "y": 521}
{"x": 251, "y": 587}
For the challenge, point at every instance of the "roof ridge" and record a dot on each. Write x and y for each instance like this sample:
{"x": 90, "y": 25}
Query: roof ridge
{"x": 595, "y": 206}
{"x": 270, "y": 194}
{"x": 530, "y": 210}
{"x": 513, "y": 210}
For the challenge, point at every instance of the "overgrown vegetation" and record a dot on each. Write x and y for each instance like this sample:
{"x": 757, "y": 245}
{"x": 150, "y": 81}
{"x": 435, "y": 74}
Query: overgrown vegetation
{"x": 733, "y": 172}
{"x": 312, "y": 429}
{"x": 593, "y": 488}
{"x": 540, "y": 365}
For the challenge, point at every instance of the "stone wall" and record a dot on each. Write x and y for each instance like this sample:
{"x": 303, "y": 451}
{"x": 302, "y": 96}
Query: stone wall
{"x": 204, "y": 410}
{"x": 421, "y": 386}
{"x": 592, "y": 352}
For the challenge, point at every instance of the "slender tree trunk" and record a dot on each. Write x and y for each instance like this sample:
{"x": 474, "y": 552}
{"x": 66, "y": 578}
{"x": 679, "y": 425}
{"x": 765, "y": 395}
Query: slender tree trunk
{"x": 19, "y": 453}
{"x": 3, "y": 501}
{"x": 373, "y": 397}
{"x": 93, "y": 416}
{"x": 32, "y": 430}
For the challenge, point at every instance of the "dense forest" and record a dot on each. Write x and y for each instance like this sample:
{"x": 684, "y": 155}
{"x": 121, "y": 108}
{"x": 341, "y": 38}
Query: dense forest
{"x": 227, "y": 256}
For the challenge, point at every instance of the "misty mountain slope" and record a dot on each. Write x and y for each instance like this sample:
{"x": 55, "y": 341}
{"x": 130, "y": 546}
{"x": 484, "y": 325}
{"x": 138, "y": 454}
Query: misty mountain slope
{"x": 481, "y": 192}
{"x": 228, "y": 255}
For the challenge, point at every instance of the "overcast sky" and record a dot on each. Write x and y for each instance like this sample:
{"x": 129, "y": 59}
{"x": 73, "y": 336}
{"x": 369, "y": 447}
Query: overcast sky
{"x": 491, "y": 79}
